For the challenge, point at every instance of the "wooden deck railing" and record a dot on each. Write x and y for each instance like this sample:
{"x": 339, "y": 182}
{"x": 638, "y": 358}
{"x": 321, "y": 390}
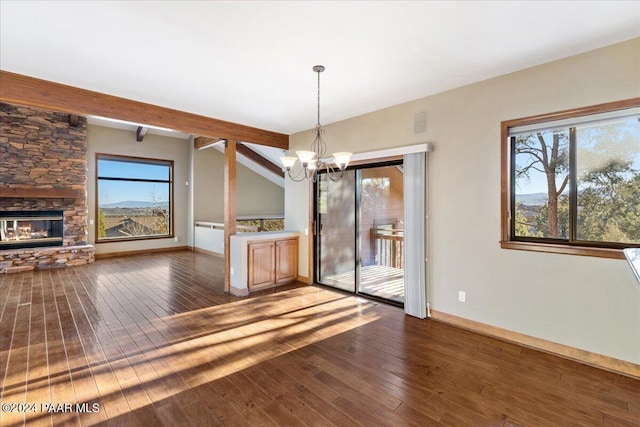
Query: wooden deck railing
{"x": 389, "y": 247}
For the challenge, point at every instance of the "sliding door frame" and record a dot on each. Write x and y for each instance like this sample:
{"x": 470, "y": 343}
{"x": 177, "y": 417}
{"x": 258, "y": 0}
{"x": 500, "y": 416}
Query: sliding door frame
{"x": 315, "y": 274}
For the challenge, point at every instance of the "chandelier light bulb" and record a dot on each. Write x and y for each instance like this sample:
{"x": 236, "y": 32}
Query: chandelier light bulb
{"x": 342, "y": 158}
{"x": 305, "y": 156}
{"x": 288, "y": 162}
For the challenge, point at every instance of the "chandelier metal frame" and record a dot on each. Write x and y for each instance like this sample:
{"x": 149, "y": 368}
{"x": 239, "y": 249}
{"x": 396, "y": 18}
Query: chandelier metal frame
{"x": 311, "y": 162}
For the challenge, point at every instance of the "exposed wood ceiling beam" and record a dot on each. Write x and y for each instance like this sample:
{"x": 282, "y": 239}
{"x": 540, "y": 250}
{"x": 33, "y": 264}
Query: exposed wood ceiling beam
{"x": 32, "y": 92}
{"x": 141, "y": 132}
{"x": 73, "y": 120}
{"x": 260, "y": 160}
{"x": 203, "y": 142}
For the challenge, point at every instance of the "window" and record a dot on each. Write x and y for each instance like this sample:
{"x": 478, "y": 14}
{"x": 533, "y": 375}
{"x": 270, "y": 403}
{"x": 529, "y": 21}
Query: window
{"x": 571, "y": 181}
{"x": 260, "y": 224}
{"x": 134, "y": 198}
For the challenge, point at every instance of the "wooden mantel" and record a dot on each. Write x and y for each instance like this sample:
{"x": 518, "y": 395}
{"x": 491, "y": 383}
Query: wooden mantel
{"x": 41, "y": 193}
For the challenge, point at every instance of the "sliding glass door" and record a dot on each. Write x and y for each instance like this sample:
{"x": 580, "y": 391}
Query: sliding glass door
{"x": 381, "y": 231}
{"x": 359, "y": 236}
{"x": 336, "y": 220}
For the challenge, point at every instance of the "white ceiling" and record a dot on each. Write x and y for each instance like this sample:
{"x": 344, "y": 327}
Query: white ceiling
{"x": 250, "y": 62}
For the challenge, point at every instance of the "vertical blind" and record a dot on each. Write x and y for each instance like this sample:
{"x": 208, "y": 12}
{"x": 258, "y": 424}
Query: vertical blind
{"x": 415, "y": 232}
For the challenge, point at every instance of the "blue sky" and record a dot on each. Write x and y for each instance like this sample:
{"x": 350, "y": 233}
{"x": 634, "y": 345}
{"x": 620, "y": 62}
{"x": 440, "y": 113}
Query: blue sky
{"x": 120, "y": 169}
{"x": 118, "y": 191}
{"x": 629, "y": 142}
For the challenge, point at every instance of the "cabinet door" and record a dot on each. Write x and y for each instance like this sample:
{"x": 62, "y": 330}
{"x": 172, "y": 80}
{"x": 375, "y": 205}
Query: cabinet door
{"x": 261, "y": 268}
{"x": 286, "y": 260}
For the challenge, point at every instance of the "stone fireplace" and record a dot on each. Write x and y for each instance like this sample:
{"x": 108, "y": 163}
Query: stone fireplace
{"x": 43, "y": 168}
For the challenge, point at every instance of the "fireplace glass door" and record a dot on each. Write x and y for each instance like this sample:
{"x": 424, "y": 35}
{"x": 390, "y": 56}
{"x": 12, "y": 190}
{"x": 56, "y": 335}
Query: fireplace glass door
{"x": 30, "y": 229}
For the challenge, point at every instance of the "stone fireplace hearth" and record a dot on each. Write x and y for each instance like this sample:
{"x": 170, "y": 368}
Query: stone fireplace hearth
{"x": 43, "y": 167}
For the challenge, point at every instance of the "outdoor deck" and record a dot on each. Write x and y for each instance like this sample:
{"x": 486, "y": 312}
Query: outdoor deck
{"x": 376, "y": 280}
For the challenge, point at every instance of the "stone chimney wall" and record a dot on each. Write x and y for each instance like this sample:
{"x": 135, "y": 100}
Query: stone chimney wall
{"x": 41, "y": 150}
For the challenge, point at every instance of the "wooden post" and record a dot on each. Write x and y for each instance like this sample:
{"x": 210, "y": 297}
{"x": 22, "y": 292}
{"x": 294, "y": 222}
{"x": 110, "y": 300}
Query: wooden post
{"x": 230, "y": 207}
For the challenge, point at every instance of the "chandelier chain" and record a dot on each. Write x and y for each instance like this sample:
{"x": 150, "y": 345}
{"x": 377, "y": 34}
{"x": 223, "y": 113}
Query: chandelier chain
{"x": 318, "y": 72}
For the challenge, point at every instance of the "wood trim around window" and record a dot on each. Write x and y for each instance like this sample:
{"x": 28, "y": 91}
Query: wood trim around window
{"x": 163, "y": 162}
{"x": 506, "y": 241}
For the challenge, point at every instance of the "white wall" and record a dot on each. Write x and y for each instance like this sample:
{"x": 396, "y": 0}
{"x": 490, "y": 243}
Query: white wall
{"x": 106, "y": 140}
{"x": 255, "y": 194}
{"x": 583, "y": 302}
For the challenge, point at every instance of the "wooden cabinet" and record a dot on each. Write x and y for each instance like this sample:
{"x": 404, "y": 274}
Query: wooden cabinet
{"x": 286, "y": 261}
{"x": 272, "y": 262}
{"x": 262, "y": 264}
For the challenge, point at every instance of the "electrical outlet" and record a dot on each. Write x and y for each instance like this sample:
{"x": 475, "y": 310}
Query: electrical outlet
{"x": 462, "y": 296}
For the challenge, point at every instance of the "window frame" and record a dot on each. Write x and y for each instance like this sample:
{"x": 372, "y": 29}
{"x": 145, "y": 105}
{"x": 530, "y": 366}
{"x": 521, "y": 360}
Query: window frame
{"x": 134, "y": 159}
{"x": 507, "y": 194}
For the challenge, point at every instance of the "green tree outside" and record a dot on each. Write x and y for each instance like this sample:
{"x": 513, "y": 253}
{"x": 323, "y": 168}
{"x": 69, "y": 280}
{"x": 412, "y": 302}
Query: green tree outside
{"x": 102, "y": 228}
{"x": 608, "y": 182}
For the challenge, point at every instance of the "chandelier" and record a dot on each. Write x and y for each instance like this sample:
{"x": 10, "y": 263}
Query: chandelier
{"x": 311, "y": 162}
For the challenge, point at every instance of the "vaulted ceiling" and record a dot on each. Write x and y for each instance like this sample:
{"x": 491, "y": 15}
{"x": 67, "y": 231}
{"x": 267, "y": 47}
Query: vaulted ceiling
{"x": 250, "y": 62}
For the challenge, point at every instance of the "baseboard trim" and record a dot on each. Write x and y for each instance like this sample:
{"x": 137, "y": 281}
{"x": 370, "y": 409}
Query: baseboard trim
{"x": 208, "y": 252}
{"x": 141, "y": 251}
{"x": 305, "y": 280}
{"x": 617, "y": 366}
{"x": 239, "y": 292}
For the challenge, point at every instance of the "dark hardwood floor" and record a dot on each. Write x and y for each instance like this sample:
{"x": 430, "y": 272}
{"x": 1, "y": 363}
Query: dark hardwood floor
{"x": 153, "y": 340}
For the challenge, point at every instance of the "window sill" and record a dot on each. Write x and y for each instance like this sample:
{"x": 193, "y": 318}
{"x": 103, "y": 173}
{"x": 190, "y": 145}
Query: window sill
{"x": 563, "y": 249}
{"x": 133, "y": 239}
